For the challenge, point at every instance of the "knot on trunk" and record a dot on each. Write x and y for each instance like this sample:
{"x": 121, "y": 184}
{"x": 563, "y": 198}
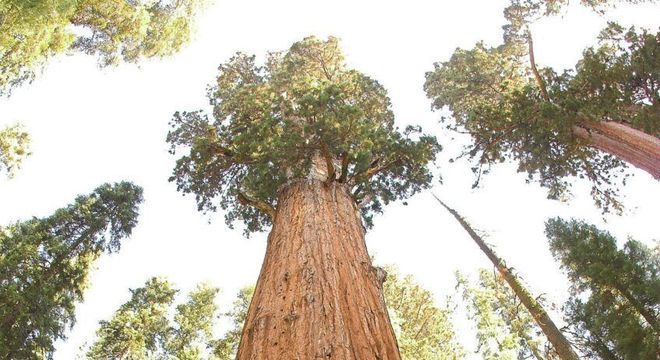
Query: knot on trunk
{"x": 381, "y": 275}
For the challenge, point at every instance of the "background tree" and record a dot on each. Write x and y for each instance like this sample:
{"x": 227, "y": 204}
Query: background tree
{"x": 305, "y": 144}
{"x": 504, "y": 328}
{"x": 561, "y": 345}
{"x": 142, "y": 327}
{"x": 424, "y": 330}
{"x": 226, "y": 347}
{"x": 33, "y": 31}
{"x": 615, "y": 295}
{"x": 584, "y": 123}
{"x": 14, "y": 147}
{"x": 44, "y": 264}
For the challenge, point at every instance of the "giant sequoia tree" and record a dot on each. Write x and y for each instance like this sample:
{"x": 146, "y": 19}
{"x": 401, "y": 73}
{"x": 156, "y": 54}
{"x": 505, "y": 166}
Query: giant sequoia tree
{"x": 587, "y": 122}
{"x": 308, "y": 145}
{"x": 32, "y": 31}
{"x": 614, "y": 309}
{"x": 44, "y": 265}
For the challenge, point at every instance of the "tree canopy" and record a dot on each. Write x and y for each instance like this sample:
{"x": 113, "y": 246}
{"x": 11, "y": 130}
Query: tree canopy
{"x": 142, "y": 328}
{"x": 615, "y": 297}
{"x": 32, "y": 31}
{"x": 45, "y": 262}
{"x": 543, "y": 119}
{"x": 504, "y": 328}
{"x": 14, "y": 148}
{"x": 272, "y": 122}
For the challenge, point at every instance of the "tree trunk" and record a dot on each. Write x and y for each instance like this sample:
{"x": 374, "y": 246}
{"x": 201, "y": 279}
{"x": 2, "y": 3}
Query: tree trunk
{"x": 318, "y": 296}
{"x": 557, "y": 339}
{"x": 628, "y": 144}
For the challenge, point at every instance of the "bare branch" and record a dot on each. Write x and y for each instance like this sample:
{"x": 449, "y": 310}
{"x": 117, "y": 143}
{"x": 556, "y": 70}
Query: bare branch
{"x": 535, "y": 71}
{"x": 260, "y": 205}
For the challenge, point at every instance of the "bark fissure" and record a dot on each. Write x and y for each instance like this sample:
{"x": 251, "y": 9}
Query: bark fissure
{"x": 317, "y": 287}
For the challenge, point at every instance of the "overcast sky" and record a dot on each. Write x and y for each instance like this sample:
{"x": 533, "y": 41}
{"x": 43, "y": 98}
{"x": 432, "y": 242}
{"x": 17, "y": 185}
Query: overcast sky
{"x": 91, "y": 126}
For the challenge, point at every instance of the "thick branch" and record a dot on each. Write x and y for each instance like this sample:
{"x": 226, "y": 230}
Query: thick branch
{"x": 535, "y": 71}
{"x": 344, "y": 167}
{"x": 328, "y": 163}
{"x": 373, "y": 170}
{"x": 260, "y": 205}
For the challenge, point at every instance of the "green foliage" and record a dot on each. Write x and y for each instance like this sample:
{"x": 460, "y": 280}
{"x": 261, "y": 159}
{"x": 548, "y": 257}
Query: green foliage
{"x": 494, "y": 96}
{"x": 141, "y": 328}
{"x": 32, "y": 31}
{"x": 424, "y": 331}
{"x": 14, "y": 147}
{"x": 505, "y": 328}
{"x": 615, "y": 297}
{"x": 44, "y": 265}
{"x": 271, "y": 120}
{"x": 226, "y": 347}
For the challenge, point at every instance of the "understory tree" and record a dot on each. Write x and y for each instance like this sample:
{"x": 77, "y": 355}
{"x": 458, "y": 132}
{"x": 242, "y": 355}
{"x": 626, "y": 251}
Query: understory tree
{"x": 504, "y": 327}
{"x": 588, "y": 122}
{"x": 146, "y": 327}
{"x": 614, "y": 306}
{"x": 309, "y": 146}
{"x": 45, "y": 263}
{"x": 31, "y": 32}
{"x": 562, "y": 346}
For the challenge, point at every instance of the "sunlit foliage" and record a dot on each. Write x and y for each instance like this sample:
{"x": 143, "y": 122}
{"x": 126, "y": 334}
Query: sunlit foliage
{"x": 270, "y": 121}
{"x": 516, "y": 112}
{"x": 14, "y": 148}
{"x": 615, "y": 295}
{"x": 32, "y": 31}
{"x": 45, "y": 263}
{"x": 144, "y": 328}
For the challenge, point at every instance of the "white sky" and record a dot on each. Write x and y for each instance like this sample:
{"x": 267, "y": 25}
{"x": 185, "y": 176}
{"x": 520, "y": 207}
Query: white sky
{"x": 91, "y": 126}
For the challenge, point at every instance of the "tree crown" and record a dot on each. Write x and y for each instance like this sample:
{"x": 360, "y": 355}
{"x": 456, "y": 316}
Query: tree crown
{"x": 303, "y": 111}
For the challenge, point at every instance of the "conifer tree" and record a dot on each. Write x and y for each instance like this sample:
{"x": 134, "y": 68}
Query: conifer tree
{"x": 305, "y": 144}
{"x": 562, "y": 346}
{"x": 45, "y": 262}
{"x": 615, "y": 295}
{"x": 586, "y": 123}
{"x": 141, "y": 328}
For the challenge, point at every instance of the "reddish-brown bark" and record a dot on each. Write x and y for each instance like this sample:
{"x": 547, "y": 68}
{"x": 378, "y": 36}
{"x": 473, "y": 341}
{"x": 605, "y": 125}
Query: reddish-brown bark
{"x": 628, "y": 144}
{"x": 318, "y": 296}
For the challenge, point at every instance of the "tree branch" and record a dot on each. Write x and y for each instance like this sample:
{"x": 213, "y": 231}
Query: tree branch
{"x": 373, "y": 170}
{"x": 260, "y": 205}
{"x": 344, "y": 167}
{"x": 535, "y": 71}
{"x": 328, "y": 163}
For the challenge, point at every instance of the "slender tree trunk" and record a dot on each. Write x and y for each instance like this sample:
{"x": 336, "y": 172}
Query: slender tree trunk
{"x": 628, "y": 144}
{"x": 557, "y": 339}
{"x": 318, "y": 296}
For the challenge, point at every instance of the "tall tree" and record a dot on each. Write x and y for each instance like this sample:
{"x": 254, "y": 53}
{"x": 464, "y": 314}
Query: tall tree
{"x": 32, "y": 31}
{"x": 305, "y": 144}
{"x": 14, "y": 147}
{"x": 562, "y": 346}
{"x": 614, "y": 307}
{"x": 44, "y": 265}
{"x": 141, "y": 328}
{"x": 505, "y": 330}
{"x": 585, "y": 123}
